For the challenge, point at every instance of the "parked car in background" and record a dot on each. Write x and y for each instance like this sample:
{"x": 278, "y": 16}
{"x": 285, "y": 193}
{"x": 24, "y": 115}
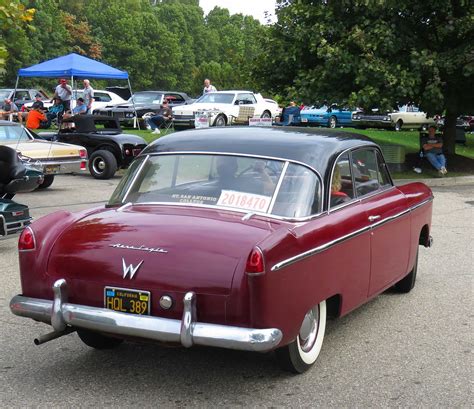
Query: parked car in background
{"x": 277, "y": 109}
{"x": 108, "y": 147}
{"x": 410, "y": 116}
{"x": 405, "y": 117}
{"x": 15, "y": 178}
{"x": 240, "y": 238}
{"x": 101, "y": 99}
{"x": 144, "y": 102}
{"x": 225, "y": 108}
{"x": 22, "y": 95}
{"x": 330, "y": 116}
{"x": 52, "y": 158}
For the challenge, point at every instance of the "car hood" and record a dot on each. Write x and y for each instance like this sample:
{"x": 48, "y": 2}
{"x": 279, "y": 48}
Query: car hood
{"x": 38, "y": 149}
{"x": 131, "y": 106}
{"x": 176, "y": 248}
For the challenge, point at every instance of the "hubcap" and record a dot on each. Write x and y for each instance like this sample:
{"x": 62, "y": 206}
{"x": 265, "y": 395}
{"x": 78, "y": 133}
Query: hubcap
{"x": 309, "y": 329}
{"x": 333, "y": 123}
{"x": 99, "y": 165}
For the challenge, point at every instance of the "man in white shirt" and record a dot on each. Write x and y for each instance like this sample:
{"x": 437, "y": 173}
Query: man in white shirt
{"x": 208, "y": 87}
{"x": 88, "y": 95}
{"x": 64, "y": 92}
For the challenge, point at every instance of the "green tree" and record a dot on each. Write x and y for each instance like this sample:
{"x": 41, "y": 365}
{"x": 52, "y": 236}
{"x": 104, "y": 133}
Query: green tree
{"x": 13, "y": 16}
{"x": 374, "y": 53}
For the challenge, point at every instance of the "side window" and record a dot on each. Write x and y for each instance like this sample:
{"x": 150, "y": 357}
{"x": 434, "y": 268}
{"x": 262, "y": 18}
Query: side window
{"x": 342, "y": 188}
{"x": 365, "y": 171}
{"x": 22, "y": 95}
{"x": 384, "y": 178}
{"x": 246, "y": 99}
{"x": 175, "y": 98}
{"x": 102, "y": 97}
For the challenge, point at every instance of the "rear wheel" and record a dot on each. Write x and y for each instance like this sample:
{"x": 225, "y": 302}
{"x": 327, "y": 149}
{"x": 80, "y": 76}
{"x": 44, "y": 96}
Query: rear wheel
{"x": 332, "y": 122}
{"x": 406, "y": 284}
{"x": 266, "y": 114}
{"x": 48, "y": 181}
{"x": 102, "y": 164}
{"x": 98, "y": 341}
{"x": 303, "y": 352}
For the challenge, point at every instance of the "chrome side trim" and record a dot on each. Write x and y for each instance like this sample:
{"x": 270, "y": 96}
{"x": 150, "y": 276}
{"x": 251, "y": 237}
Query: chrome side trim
{"x": 318, "y": 249}
{"x": 188, "y": 332}
{"x": 341, "y": 239}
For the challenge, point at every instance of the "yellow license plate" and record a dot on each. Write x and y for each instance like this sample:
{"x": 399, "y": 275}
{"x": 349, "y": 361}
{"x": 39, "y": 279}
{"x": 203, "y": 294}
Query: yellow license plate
{"x": 129, "y": 301}
{"x": 51, "y": 169}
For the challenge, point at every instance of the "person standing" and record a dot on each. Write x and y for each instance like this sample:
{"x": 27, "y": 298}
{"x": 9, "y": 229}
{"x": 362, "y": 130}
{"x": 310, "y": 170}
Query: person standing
{"x": 64, "y": 91}
{"x": 88, "y": 95}
{"x": 432, "y": 145}
{"x": 208, "y": 87}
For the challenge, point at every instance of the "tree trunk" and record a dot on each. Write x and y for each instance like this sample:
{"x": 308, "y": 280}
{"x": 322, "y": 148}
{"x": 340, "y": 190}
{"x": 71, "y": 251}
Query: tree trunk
{"x": 449, "y": 137}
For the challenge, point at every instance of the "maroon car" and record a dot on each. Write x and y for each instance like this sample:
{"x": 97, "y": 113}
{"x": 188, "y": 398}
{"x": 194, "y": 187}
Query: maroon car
{"x": 235, "y": 238}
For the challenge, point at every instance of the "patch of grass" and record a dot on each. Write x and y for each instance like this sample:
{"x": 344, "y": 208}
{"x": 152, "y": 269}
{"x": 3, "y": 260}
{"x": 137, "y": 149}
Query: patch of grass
{"x": 146, "y": 134}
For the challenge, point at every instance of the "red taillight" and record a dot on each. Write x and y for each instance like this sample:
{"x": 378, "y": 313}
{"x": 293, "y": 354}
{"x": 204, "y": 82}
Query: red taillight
{"x": 27, "y": 240}
{"x": 255, "y": 264}
{"x": 83, "y": 166}
{"x": 83, "y": 153}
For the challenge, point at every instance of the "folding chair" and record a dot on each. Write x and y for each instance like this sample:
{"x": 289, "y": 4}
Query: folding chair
{"x": 245, "y": 113}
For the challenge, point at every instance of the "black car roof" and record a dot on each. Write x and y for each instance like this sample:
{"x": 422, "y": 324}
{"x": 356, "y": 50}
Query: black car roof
{"x": 317, "y": 148}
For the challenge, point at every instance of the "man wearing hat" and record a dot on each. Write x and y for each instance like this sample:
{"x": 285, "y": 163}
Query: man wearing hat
{"x": 64, "y": 91}
{"x": 432, "y": 145}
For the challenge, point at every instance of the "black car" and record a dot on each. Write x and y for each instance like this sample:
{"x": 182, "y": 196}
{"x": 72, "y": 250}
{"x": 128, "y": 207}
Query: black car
{"x": 108, "y": 148}
{"x": 146, "y": 102}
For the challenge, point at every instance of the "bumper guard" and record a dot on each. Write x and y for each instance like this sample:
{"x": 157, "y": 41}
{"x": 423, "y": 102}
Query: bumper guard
{"x": 62, "y": 315}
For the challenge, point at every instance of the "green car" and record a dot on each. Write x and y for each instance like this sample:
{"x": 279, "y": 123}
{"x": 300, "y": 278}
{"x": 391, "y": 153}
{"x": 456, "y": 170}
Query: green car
{"x": 15, "y": 177}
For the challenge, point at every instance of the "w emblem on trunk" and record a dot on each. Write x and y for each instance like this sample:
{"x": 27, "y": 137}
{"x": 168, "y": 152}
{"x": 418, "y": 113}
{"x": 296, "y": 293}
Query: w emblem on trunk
{"x": 130, "y": 269}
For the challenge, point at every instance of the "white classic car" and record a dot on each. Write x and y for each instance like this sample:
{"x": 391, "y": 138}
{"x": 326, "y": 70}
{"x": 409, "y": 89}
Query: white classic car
{"x": 405, "y": 117}
{"x": 409, "y": 116}
{"x": 223, "y": 108}
{"x": 101, "y": 99}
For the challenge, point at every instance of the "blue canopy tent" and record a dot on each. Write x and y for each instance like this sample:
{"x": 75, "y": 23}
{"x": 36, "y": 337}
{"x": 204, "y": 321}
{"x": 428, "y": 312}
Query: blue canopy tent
{"x": 73, "y": 66}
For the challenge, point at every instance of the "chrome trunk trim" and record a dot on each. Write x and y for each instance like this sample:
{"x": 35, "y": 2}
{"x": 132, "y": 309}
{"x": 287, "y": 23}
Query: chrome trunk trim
{"x": 187, "y": 331}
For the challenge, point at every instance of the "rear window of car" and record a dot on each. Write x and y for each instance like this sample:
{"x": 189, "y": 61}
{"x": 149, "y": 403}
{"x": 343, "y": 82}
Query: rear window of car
{"x": 13, "y": 134}
{"x": 241, "y": 183}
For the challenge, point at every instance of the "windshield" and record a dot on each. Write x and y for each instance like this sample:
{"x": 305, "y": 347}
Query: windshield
{"x": 241, "y": 183}
{"x": 13, "y": 134}
{"x": 214, "y": 98}
{"x": 4, "y": 93}
{"x": 147, "y": 98}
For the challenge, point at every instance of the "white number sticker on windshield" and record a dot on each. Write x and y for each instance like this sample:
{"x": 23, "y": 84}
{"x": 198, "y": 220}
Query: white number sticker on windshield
{"x": 246, "y": 201}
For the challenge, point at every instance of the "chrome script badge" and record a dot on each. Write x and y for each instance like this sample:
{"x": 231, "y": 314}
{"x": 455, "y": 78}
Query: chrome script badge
{"x": 130, "y": 269}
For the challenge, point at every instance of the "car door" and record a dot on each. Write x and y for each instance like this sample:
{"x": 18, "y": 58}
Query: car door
{"x": 249, "y": 100}
{"x": 386, "y": 211}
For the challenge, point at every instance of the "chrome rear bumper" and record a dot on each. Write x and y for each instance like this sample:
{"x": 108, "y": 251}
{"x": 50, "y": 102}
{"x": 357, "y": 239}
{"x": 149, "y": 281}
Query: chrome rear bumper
{"x": 61, "y": 315}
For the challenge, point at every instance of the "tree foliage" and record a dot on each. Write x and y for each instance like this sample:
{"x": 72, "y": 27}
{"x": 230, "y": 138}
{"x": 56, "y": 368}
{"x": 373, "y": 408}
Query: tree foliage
{"x": 373, "y": 53}
{"x": 167, "y": 44}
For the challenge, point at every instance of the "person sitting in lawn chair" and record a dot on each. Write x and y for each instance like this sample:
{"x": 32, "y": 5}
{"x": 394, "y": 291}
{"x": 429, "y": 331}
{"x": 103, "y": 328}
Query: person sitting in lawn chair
{"x": 56, "y": 111}
{"x": 290, "y": 115}
{"x": 163, "y": 116}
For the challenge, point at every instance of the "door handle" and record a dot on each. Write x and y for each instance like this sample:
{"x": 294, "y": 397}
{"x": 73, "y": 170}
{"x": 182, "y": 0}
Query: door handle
{"x": 373, "y": 218}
